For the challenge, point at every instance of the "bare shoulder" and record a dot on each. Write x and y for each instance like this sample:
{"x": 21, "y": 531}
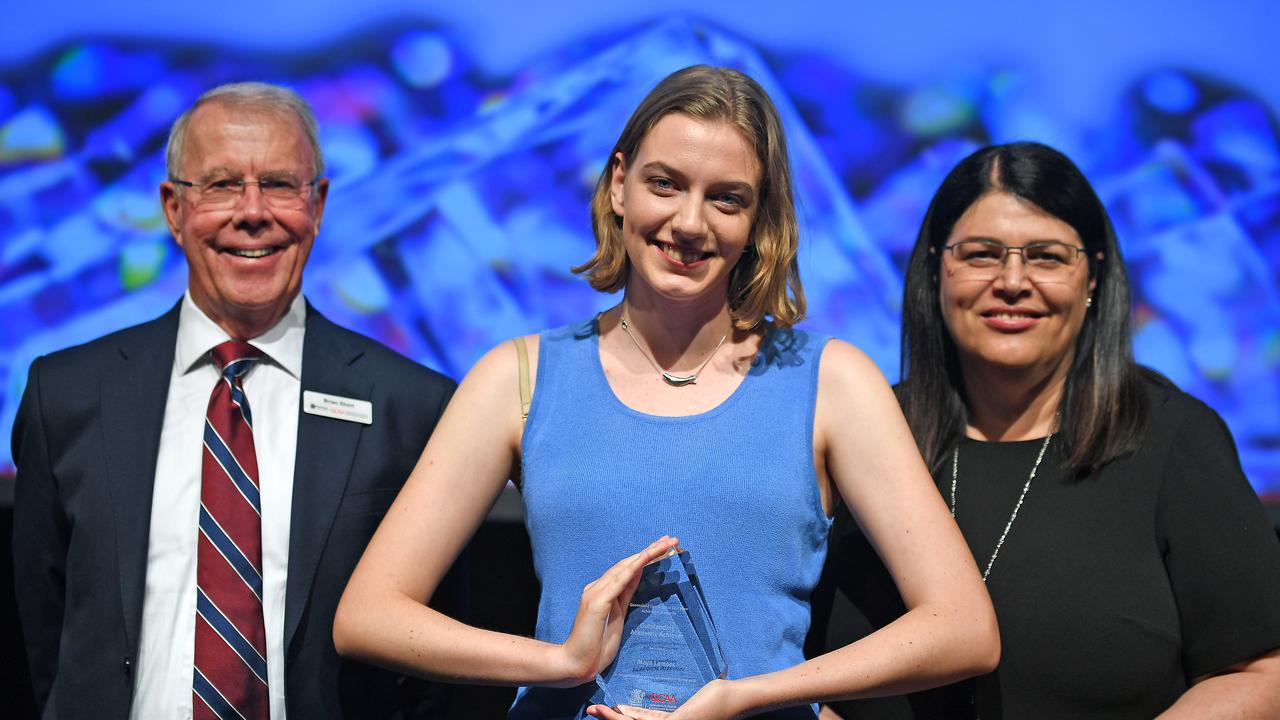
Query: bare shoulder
{"x": 489, "y": 398}
{"x": 844, "y": 369}
{"x": 853, "y": 395}
{"x": 499, "y": 366}
{"x": 481, "y": 427}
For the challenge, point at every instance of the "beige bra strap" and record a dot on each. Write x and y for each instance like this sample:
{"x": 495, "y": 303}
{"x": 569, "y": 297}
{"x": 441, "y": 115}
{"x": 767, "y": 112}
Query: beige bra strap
{"x": 522, "y": 355}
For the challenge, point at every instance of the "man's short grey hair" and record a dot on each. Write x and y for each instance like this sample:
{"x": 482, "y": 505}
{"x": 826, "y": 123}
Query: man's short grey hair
{"x": 256, "y": 95}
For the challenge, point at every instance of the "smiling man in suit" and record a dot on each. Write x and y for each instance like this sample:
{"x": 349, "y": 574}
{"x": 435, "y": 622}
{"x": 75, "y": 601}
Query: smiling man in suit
{"x": 193, "y": 492}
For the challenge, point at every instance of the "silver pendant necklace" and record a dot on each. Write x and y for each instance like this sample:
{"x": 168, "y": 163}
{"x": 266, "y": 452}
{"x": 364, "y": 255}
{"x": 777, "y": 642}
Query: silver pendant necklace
{"x": 955, "y": 465}
{"x": 670, "y": 378}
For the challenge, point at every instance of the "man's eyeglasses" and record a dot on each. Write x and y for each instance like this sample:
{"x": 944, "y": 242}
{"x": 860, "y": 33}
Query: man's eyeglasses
{"x": 279, "y": 192}
{"x": 1043, "y": 260}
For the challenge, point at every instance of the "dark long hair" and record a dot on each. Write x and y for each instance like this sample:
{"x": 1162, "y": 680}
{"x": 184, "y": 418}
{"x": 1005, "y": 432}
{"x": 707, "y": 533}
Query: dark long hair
{"x": 1104, "y": 408}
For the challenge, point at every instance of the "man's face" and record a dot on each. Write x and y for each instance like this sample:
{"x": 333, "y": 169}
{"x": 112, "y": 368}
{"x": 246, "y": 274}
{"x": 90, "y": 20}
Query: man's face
{"x": 245, "y": 256}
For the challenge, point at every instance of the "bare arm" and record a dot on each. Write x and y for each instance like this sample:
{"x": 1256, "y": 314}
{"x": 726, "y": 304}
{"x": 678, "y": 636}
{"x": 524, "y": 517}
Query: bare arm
{"x": 382, "y": 617}
{"x": 949, "y": 630}
{"x": 1250, "y": 689}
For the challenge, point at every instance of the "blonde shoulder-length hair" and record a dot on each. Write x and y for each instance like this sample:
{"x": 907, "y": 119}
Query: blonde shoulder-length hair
{"x": 766, "y": 281}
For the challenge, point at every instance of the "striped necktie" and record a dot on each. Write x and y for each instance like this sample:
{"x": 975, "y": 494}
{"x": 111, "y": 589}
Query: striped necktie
{"x": 230, "y": 677}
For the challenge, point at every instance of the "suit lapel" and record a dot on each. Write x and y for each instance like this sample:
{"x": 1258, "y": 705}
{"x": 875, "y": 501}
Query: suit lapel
{"x": 134, "y": 392}
{"x": 325, "y": 454}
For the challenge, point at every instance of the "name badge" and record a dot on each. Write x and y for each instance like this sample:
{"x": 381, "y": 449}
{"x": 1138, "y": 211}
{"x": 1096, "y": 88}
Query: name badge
{"x": 337, "y": 407}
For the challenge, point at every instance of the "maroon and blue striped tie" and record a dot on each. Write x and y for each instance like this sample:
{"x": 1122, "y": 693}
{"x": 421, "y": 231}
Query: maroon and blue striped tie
{"x": 230, "y": 678}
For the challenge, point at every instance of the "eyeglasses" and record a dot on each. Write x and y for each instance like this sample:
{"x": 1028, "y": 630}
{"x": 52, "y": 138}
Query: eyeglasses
{"x": 1043, "y": 260}
{"x": 281, "y": 192}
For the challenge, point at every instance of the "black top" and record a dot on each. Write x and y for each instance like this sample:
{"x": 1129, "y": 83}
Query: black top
{"x": 1113, "y": 592}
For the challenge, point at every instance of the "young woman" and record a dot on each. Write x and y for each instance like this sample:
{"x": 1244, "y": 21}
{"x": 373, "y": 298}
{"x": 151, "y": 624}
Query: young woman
{"x": 690, "y": 409}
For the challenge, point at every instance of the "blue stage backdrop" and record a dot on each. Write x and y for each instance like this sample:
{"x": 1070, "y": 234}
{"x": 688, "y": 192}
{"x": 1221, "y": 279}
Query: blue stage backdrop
{"x": 459, "y": 193}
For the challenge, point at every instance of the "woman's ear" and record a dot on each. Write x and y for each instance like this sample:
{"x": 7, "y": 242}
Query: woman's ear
{"x": 616, "y": 182}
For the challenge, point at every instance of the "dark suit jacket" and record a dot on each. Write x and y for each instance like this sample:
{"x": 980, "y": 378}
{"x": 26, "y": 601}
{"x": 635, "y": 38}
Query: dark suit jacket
{"x": 85, "y": 443}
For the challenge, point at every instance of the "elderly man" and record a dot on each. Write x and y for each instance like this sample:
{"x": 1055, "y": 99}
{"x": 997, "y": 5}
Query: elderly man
{"x": 193, "y": 492}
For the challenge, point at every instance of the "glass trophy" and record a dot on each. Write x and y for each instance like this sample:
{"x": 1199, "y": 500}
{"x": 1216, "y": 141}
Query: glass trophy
{"x": 669, "y": 647}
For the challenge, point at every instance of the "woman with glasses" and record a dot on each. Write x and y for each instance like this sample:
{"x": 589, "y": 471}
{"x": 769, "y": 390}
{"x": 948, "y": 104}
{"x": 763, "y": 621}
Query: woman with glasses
{"x": 692, "y": 408}
{"x": 1132, "y": 568}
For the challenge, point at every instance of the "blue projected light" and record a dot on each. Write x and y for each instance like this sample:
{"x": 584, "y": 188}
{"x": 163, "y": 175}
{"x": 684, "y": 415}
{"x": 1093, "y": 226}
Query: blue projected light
{"x": 32, "y": 134}
{"x": 1171, "y": 92}
{"x": 459, "y": 199}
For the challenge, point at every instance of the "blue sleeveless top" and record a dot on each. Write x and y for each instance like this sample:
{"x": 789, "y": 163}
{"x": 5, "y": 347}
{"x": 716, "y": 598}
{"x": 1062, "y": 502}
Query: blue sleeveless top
{"x": 736, "y": 484}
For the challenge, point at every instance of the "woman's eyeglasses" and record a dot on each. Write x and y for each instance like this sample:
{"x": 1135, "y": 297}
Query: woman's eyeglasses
{"x": 1042, "y": 260}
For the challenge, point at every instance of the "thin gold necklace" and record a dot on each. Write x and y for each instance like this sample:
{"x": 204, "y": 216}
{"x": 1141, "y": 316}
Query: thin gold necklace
{"x": 671, "y": 379}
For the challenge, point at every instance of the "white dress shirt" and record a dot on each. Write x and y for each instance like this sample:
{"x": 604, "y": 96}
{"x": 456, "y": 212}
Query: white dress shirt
{"x": 166, "y": 648}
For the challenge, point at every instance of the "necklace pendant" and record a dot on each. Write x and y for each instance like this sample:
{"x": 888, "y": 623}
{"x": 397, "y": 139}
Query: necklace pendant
{"x": 679, "y": 380}
{"x": 670, "y": 378}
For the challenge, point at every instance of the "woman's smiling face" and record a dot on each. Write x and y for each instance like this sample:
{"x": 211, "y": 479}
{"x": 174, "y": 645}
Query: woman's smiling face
{"x": 687, "y": 202}
{"x": 1011, "y": 321}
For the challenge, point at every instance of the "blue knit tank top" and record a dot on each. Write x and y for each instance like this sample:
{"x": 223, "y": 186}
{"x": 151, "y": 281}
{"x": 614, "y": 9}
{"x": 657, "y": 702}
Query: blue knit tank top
{"x": 736, "y": 484}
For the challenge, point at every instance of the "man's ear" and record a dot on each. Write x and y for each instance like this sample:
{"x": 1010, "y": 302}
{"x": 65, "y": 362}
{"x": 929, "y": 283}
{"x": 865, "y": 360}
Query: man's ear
{"x": 171, "y": 206}
{"x": 318, "y": 196}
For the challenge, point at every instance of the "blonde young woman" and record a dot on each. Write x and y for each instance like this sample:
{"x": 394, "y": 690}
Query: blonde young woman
{"x": 690, "y": 409}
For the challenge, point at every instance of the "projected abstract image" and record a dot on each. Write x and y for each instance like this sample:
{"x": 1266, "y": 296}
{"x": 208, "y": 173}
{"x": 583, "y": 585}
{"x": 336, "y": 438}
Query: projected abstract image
{"x": 459, "y": 199}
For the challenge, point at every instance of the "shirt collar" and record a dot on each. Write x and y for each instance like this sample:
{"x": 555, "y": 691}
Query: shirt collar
{"x": 282, "y": 342}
